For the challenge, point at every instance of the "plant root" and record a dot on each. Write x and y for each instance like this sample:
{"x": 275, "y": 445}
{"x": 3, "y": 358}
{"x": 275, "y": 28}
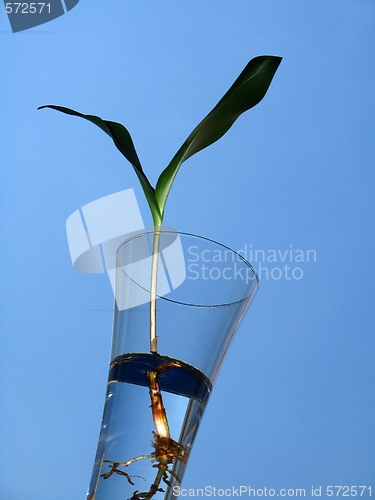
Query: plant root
{"x": 167, "y": 450}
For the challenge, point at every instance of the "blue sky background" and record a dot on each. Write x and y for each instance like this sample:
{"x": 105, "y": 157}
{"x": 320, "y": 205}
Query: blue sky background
{"x": 293, "y": 406}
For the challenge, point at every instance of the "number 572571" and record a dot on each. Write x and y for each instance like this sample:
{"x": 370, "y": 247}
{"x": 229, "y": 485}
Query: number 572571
{"x": 27, "y": 8}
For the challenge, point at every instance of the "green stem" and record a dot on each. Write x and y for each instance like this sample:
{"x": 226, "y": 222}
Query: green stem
{"x": 153, "y": 288}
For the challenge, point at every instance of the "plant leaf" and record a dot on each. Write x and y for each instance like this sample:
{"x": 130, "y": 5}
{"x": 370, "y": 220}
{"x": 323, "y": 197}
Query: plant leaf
{"x": 124, "y": 144}
{"x": 246, "y": 92}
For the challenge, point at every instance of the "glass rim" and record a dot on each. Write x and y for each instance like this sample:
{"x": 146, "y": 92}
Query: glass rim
{"x": 171, "y": 230}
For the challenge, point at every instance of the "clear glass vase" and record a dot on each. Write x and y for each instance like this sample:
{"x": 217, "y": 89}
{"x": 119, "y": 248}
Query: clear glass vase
{"x": 155, "y": 400}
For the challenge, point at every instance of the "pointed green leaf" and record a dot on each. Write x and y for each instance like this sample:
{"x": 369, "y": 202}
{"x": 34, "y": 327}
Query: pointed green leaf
{"x": 124, "y": 144}
{"x": 246, "y": 92}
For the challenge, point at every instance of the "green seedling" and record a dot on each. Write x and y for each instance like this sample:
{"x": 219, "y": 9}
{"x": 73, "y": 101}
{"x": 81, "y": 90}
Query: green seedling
{"x": 245, "y": 93}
